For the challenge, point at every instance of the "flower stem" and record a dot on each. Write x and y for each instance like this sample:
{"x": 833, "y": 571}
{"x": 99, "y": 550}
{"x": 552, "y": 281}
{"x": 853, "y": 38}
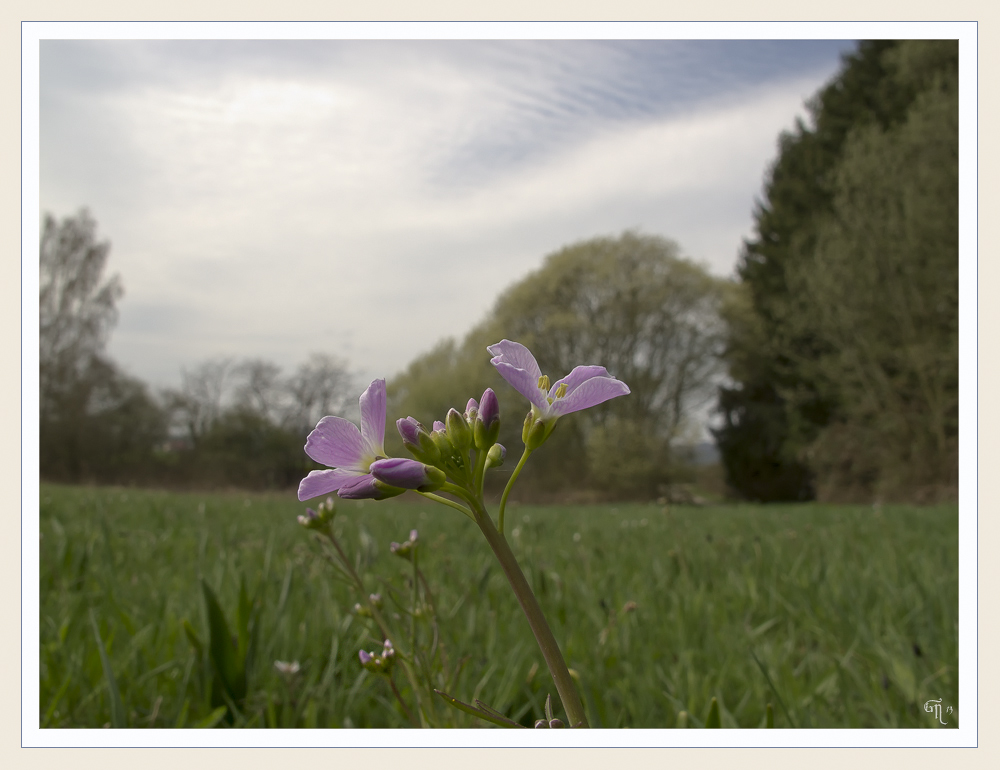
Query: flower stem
{"x": 510, "y": 486}
{"x": 449, "y": 503}
{"x": 377, "y": 616}
{"x": 533, "y": 612}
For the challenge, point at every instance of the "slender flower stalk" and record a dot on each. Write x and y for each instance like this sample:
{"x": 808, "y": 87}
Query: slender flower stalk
{"x": 510, "y": 486}
{"x": 536, "y": 620}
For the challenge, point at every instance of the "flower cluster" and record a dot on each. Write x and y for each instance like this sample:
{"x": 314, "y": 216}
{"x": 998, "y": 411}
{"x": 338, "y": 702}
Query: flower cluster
{"x": 405, "y": 549}
{"x": 456, "y": 451}
{"x": 364, "y": 610}
{"x": 379, "y": 663}
{"x": 320, "y": 518}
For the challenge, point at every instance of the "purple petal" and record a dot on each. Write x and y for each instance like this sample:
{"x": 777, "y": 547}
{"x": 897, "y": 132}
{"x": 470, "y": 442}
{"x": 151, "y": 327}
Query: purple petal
{"x": 324, "y": 482}
{"x": 490, "y": 410}
{"x": 471, "y": 405}
{"x": 438, "y": 425}
{"x": 336, "y": 442}
{"x": 372, "y": 404}
{"x": 400, "y": 472}
{"x": 594, "y": 391}
{"x": 579, "y": 376}
{"x": 359, "y": 488}
{"x": 523, "y": 382}
{"x": 409, "y": 430}
{"x": 518, "y": 356}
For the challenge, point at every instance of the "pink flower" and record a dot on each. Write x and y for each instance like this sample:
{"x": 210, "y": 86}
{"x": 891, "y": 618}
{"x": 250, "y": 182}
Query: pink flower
{"x": 349, "y": 452}
{"x": 582, "y": 388}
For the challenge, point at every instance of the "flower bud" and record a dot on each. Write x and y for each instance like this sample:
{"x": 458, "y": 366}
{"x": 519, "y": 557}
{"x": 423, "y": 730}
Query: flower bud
{"x": 496, "y": 455}
{"x": 376, "y": 600}
{"x": 362, "y": 611}
{"x": 471, "y": 410}
{"x": 367, "y": 487}
{"x": 311, "y": 520}
{"x": 535, "y": 432}
{"x": 458, "y": 430}
{"x": 408, "y": 474}
{"x": 404, "y": 550}
{"x": 487, "y": 426}
{"x": 440, "y": 438}
{"x": 366, "y": 658}
{"x": 417, "y": 441}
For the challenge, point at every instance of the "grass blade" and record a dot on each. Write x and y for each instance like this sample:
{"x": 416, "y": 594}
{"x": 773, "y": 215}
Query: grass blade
{"x": 117, "y": 709}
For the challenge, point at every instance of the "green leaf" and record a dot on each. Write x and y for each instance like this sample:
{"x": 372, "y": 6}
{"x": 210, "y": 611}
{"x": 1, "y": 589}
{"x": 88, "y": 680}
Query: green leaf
{"x": 222, "y": 651}
{"x": 212, "y": 719}
{"x": 487, "y": 716}
{"x": 713, "y": 719}
{"x": 182, "y": 717}
{"x": 243, "y": 609}
{"x": 192, "y": 636}
{"x": 117, "y": 708}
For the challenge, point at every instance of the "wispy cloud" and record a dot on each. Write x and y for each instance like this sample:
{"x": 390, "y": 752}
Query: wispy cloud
{"x": 369, "y": 198}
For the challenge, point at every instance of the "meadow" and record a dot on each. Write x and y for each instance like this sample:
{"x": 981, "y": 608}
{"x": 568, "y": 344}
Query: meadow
{"x": 837, "y": 616}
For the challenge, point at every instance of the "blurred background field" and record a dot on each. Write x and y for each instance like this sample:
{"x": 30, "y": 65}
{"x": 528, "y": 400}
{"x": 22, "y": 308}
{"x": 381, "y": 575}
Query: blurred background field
{"x": 838, "y": 616}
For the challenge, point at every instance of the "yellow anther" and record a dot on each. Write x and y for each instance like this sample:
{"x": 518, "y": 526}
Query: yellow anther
{"x": 544, "y": 383}
{"x": 561, "y": 390}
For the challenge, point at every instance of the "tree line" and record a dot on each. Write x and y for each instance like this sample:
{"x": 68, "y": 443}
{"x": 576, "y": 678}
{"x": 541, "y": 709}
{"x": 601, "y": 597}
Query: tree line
{"x": 230, "y": 422}
{"x": 830, "y": 361}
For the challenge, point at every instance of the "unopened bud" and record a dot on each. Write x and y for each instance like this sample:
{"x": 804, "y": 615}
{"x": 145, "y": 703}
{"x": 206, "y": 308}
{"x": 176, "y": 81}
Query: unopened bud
{"x": 471, "y": 410}
{"x": 408, "y": 474}
{"x": 368, "y": 487}
{"x": 496, "y": 455}
{"x": 458, "y": 430}
{"x": 440, "y": 438}
{"x": 535, "y": 434}
{"x": 417, "y": 441}
{"x": 487, "y": 425}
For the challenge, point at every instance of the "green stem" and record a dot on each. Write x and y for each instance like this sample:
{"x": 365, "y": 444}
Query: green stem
{"x": 449, "y": 503}
{"x": 510, "y": 486}
{"x": 533, "y": 612}
{"x": 480, "y": 473}
{"x": 377, "y": 616}
{"x": 413, "y": 604}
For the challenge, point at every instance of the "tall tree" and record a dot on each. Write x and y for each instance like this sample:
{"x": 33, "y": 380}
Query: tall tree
{"x": 95, "y": 422}
{"x": 780, "y": 402}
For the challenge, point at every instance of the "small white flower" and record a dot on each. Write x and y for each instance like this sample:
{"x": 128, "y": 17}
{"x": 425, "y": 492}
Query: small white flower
{"x": 287, "y": 668}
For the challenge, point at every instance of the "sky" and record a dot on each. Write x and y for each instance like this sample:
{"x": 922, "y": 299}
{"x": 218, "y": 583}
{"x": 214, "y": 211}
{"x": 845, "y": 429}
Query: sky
{"x": 366, "y": 198}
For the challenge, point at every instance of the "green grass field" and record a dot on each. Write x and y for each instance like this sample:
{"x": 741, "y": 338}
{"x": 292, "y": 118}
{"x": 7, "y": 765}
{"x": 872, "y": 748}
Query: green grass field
{"x": 837, "y": 616}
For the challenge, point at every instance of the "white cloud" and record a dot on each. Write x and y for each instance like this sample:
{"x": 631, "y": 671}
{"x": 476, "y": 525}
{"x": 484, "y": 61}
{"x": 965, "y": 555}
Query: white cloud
{"x": 359, "y": 213}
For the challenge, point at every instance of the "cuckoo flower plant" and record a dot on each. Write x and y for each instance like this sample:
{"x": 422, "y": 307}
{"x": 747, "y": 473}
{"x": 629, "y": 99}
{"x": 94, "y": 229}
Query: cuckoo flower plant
{"x": 450, "y": 464}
